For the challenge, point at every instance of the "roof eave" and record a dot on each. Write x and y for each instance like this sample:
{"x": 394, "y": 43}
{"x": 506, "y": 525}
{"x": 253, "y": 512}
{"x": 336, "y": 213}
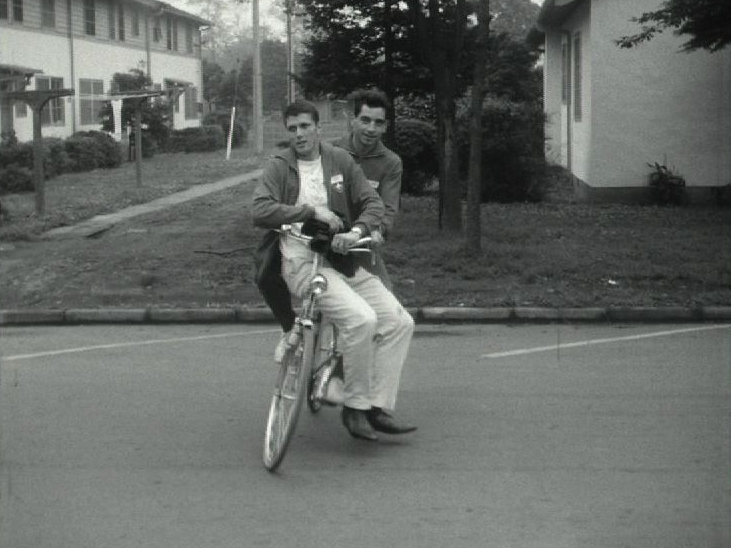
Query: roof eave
{"x": 554, "y": 12}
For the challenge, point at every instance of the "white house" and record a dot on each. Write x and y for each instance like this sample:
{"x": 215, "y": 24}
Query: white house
{"x": 611, "y": 111}
{"x": 80, "y": 44}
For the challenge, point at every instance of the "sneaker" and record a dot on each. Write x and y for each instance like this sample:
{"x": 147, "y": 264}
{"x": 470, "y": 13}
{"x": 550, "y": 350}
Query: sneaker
{"x": 281, "y": 348}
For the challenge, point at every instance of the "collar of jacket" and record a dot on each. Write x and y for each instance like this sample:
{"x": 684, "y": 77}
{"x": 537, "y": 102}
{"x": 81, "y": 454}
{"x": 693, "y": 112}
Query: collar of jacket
{"x": 290, "y": 156}
{"x": 347, "y": 143}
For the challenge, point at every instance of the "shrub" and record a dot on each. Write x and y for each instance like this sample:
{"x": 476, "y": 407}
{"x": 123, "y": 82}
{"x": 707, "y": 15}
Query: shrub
{"x": 196, "y": 139}
{"x": 55, "y": 159}
{"x": 512, "y": 149}
{"x": 15, "y": 178}
{"x": 83, "y": 153}
{"x": 666, "y": 188}
{"x": 223, "y": 119}
{"x": 110, "y": 151}
{"x": 20, "y": 154}
{"x": 416, "y": 144}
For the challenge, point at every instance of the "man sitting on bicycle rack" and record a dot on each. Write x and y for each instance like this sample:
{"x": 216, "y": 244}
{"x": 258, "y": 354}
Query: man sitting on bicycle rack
{"x": 314, "y": 180}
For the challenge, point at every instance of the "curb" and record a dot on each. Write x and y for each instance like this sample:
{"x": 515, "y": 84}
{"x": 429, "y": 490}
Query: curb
{"x": 154, "y": 315}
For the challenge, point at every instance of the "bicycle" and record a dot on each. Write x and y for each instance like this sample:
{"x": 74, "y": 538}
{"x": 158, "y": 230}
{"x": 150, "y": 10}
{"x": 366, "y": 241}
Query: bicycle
{"x": 306, "y": 366}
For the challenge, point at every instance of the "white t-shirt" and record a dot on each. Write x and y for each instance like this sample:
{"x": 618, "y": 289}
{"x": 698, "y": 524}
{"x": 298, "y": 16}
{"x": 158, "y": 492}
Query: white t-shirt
{"x": 312, "y": 192}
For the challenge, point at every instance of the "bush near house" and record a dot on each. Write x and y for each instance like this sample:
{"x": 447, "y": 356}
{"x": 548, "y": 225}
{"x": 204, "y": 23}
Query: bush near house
{"x": 416, "y": 144}
{"x": 83, "y": 151}
{"x": 205, "y": 138}
{"x": 223, "y": 118}
{"x": 513, "y": 165}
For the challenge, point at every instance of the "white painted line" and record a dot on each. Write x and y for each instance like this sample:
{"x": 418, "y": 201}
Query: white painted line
{"x": 562, "y": 346}
{"x": 133, "y": 343}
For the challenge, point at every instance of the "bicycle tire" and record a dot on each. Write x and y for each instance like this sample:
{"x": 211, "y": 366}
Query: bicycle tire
{"x": 290, "y": 391}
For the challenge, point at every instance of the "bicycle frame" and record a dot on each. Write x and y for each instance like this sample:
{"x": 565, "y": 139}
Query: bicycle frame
{"x": 297, "y": 372}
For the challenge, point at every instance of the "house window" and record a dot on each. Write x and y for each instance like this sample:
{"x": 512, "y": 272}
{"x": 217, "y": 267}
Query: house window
{"x": 169, "y": 29}
{"x": 53, "y": 111}
{"x": 91, "y": 101}
{"x": 175, "y": 35}
{"x": 135, "y": 23}
{"x": 112, "y": 30}
{"x": 48, "y": 13}
{"x": 120, "y": 21}
{"x": 577, "y": 77}
{"x": 90, "y": 17}
{"x": 191, "y": 103}
{"x": 3, "y": 9}
{"x": 18, "y": 11}
{"x": 188, "y": 38}
{"x": 156, "y": 30}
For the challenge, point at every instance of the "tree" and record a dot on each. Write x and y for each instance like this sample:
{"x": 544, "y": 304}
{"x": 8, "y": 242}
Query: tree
{"x": 707, "y": 22}
{"x": 440, "y": 27}
{"x": 477, "y": 96}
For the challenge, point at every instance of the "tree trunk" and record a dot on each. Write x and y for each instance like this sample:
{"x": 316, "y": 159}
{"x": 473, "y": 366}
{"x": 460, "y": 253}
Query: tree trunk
{"x": 474, "y": 179}
{"x": 390, "y": 137}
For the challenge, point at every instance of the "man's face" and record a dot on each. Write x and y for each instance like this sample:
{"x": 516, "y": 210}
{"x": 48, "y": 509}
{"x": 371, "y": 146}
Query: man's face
{"x": 304, "y": 135}
{"x": 369, "y": 125}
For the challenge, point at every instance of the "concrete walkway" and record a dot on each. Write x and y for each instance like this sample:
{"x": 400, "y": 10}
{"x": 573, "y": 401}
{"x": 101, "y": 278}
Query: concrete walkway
{"x": 101, "y": 223}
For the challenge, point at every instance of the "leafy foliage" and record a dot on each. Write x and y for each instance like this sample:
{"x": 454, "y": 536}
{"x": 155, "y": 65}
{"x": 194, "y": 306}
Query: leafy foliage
{"x": 706, "y": 22}
{"x": 416, "y": 143}
{"x": 155, "y": 113}
{"x": 15, "y": 178}
{"x": 512, "y": 149}
{"x": 196, "y": 139}
{"x": 666, "y": 187}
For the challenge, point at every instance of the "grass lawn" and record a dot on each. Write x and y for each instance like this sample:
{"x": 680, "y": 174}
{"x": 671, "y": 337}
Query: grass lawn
{"x": 73, "y": 197}
{"x": 199, "y": 253}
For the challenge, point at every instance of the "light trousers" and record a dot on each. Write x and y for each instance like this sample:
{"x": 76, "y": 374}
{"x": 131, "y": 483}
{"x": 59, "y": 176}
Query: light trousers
{"x": 375, "y": 330}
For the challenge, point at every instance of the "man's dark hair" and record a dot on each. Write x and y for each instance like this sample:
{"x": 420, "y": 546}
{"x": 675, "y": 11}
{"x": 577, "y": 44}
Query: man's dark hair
{"x": 300, "y": 106}
{"x": 372, "y": 98}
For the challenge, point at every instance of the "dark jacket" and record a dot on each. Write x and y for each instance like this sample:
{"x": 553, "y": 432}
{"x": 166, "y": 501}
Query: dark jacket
{"x": 383, "y": 168}
{"x": 348, "y": 192}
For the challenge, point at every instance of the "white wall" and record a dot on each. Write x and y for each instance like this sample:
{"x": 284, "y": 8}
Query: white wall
{"x": 94, "y": 58}
{"x": 652, "y": 103}
{"x": 48, "y": 52}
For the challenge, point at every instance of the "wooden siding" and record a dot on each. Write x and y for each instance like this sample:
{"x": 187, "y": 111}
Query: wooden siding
{"x": 32, "y": 20}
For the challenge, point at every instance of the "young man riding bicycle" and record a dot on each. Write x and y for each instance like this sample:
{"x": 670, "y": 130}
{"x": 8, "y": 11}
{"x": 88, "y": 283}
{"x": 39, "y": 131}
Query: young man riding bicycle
{"x": 314, "y": 180}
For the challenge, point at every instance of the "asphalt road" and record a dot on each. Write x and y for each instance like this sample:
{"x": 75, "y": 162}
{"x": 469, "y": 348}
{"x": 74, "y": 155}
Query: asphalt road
{"x": 535, "y": 436}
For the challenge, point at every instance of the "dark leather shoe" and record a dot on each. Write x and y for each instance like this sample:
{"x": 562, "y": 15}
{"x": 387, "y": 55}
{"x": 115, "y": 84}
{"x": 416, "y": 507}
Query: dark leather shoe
{"x": 386, "y": 423}
{"x": 356, "y": 423}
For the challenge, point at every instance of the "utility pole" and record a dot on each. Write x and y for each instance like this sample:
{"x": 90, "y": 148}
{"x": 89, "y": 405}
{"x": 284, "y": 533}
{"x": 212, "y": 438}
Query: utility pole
{"x": 258, "y": 116}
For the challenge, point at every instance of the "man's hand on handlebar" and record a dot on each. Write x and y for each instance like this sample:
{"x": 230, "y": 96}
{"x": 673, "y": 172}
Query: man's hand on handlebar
{"x": 324, "y": 215}
{"x": 344, "y": 241}
{"x": 376, "y": 238}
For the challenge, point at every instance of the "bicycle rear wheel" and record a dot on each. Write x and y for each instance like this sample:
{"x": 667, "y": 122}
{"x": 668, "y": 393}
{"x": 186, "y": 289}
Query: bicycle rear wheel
{"x": 290, "y": 391}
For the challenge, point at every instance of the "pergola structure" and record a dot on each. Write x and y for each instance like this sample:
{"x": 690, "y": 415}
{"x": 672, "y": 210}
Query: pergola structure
{"x": 11, "y": 76}
{"x": 138, "y": 98}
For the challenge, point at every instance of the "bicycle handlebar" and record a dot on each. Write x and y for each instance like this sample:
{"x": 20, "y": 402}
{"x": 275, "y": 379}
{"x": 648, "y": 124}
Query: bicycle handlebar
{"x": 356, "y": 247}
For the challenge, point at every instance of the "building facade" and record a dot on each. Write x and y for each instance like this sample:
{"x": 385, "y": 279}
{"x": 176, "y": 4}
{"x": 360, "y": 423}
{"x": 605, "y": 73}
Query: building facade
{"x": 611, "y": 111}
{"x": 81, "y": 44}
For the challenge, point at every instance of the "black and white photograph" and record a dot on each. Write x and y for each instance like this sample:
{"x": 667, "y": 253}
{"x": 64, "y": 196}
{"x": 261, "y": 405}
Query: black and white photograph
{"x": 356, "y": 273}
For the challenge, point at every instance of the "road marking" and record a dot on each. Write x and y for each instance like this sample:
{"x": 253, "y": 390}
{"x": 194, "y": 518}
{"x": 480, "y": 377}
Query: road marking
{"x": 133, "y": 343}
{"x": 562, "y": 346}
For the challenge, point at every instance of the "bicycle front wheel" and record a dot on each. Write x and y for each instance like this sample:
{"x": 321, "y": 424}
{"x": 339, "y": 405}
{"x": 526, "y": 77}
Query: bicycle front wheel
{"x": 290, "y": 391}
